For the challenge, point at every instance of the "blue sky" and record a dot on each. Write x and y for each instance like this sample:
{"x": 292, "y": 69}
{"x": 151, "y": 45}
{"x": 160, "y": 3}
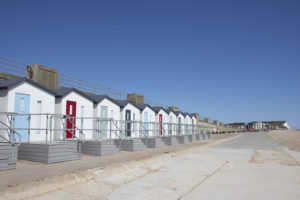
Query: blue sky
{"x": 229, "y": 60}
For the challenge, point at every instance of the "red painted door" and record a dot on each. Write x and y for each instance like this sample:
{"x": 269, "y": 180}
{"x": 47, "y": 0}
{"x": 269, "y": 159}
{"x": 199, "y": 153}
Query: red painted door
{"x": 160, "y": 124}
{"x": 71, "y": 122}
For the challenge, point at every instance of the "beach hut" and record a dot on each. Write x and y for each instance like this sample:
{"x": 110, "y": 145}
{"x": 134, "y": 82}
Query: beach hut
{"x": 107, "y": 113}
{"x": 148, "y": 119}
{"x": 187, "y": 123}
{"x": 162, "y": 118}
{"x": 31, "y": 101}
{"x": 194, "y": 123}
{"x": 172, "y": 122}
{"x": 180, "y": 122}
{"x": 129, "y": 118}
{"x": 79, "y": 107}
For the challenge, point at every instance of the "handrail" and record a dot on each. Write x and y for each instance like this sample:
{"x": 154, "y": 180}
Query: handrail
{"x": 11, "y": 136}
{"x": 76, "y": 128}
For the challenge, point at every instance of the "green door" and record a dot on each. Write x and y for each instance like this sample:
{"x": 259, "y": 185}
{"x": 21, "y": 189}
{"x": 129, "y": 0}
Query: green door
{"x": 104, "y": 122}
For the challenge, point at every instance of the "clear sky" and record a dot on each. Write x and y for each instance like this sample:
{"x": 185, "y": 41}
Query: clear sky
{"x": 230, "y": 60}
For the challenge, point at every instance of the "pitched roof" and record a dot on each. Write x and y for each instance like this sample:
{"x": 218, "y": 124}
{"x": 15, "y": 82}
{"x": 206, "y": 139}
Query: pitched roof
{"x": 123, "y": 103}
{"x": 178, "y": 112}
{"x": 6, "y": 84}
{"x": 170, "y": 110}
{"x": 99, "y": 98}
{"x": 157, "y": 109}
{"x": 65, "y": 91}
{"x": 143, "y": 106}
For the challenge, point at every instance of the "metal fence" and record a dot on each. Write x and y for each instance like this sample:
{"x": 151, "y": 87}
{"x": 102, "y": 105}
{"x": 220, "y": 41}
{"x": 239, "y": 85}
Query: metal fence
{"x": 15, "y": 128}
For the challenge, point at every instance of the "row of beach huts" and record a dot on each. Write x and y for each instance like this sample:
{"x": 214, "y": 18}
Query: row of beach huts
{"x": 45, "y": 125}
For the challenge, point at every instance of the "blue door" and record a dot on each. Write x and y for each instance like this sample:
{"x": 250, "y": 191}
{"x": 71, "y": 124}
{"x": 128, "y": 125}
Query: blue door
{"x": 146, "y": 123}
{"x": 22, "y": 106}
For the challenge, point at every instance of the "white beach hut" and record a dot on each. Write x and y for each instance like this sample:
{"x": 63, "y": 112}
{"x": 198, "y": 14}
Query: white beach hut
{"x": 129, "y": 118}
{"x": 107, "y": 113}
{"x": 172, "y": 122}
{"x": 187, "y": 123}
{"x": 79, "y": 106}
{"x": 148, "y": 119}
{"x": 162, "y": 118}
{"x": 180, "y": 122}
{"x": 24, "y": 96}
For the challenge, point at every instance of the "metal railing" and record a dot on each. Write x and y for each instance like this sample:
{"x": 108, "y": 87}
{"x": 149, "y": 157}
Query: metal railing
{"x": 49, "y": 127}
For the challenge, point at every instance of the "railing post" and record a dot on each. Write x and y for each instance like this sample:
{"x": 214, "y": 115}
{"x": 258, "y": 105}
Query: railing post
{"x": 47, "y": 127}
{"x": 12, "y": 128}
{"x": 81, "y": 128}
{"x": 50, "y": 138}
{"x": 64, "y": 120}
{"x": 29, "y": 120}
{"x": 110, "y": 127}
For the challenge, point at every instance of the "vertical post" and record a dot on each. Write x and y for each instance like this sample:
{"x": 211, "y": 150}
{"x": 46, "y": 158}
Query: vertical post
{"x": 12, "y": 129}
{"x": 64, "y": 128}
{"x": 81, "y": 128}
{"x": 110, "y": 127}
{"x": 50, "y": 138}
{"x": 29, "y": 120}
{"x": 47, "y": 119}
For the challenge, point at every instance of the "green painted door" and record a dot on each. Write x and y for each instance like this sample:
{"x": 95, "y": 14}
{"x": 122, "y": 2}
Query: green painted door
{"x": 104, "y": 122}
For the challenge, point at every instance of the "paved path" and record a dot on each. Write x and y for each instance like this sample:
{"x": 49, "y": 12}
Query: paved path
{"x": 252, "y": 166}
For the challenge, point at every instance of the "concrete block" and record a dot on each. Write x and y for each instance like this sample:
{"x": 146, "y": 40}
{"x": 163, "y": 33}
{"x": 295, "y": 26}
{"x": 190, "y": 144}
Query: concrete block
{"x": 101, "y": 148}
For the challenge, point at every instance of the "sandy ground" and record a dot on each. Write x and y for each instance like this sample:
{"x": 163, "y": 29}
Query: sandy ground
{"x": 291, "y": 138}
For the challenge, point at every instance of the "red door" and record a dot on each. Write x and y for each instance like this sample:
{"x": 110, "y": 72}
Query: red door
{"x": 71, "y": 122}
{"x": 160, "y": 123}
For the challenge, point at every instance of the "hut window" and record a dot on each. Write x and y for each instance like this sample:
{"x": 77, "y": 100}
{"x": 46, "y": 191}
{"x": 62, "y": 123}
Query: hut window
{"x": 82, "y": 111}
{"x": 112, "y": 114}
{"x": 39, "y": 116}
{"x": 22, "y": 104}
{"x": 71, "y": 110}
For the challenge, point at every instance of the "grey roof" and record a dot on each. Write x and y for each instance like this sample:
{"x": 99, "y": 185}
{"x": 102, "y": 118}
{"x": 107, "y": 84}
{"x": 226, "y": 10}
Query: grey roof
{"x": 123, "y": 103}
{"x": 178, "y": 112}
{"x": 143, "y": 106}
{"x": 65, "y": 91}
{"x": 99, "y": 98}
{"x": 157, "y": 109}
{"x": 192, "y": 115}
{"x": 6, "y": 84}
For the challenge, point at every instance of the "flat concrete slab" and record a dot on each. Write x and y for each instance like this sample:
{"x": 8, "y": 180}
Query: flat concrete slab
{"x": 241, "y": 168}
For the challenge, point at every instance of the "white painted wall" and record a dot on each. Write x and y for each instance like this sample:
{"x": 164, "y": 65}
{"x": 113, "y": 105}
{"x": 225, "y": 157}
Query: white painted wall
{"x": 180, "y": 116}
{"x": 36, "y": 94}
{"x": 3, "y": 108}
{"x": 165, "y": 119}
{"x": 188, "y": 123}
{"x": 134, "y": 112}
{"x": 151, "y": 119}
{"x": 172, "y": 123}
{"x": 88, "y": 112}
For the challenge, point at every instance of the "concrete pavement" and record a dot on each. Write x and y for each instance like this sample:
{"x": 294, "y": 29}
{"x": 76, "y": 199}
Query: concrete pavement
{"x": 252, "y": 166}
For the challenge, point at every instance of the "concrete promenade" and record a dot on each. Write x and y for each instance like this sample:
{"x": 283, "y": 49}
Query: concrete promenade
{"x": 248, "y": 166}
